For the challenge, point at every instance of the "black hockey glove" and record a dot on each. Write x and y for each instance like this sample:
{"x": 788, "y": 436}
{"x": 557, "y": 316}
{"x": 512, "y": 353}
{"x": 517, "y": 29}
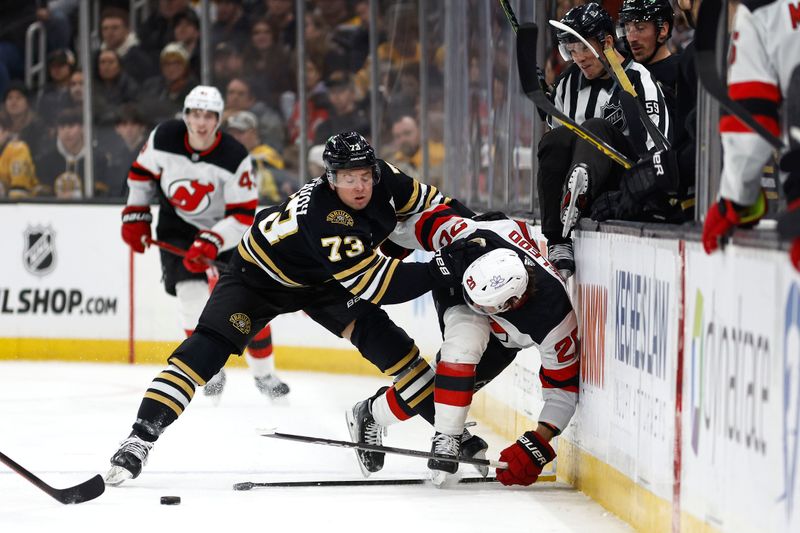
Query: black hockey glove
{"x": 490, "y": 216}
{"x": 656, "y": 174}
{"x": 449, "y": 263}
{"x": 605, "y": 206}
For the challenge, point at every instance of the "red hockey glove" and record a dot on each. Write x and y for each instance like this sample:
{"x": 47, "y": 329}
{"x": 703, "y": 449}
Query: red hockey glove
{"x": 525, "y": 459}
{"x": 204, "y": 249}
{"x": 136, "y": 221}
{"x": 724, "y": 215}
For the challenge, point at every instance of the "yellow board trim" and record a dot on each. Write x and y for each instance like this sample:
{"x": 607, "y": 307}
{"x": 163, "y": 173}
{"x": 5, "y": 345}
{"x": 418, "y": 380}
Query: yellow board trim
{"x": 166, "y": 401}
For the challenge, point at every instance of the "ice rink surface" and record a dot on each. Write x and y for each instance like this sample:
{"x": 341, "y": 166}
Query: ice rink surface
{"x": 62, "y": 421}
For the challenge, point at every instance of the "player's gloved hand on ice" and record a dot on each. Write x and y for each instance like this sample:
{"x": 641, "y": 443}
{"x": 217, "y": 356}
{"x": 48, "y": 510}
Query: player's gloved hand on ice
{"x": 449, "y": 263}
{"x": 525, "y": 458}
{"x": 725, "y": 215}
{"x": 136, "y": 221}
{"x": 789, "y": 221}
{"x": 203, "y": 250}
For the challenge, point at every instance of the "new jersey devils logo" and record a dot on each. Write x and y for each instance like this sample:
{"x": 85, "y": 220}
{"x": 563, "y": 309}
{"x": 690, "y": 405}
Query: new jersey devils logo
{"x": 190, "y": 196}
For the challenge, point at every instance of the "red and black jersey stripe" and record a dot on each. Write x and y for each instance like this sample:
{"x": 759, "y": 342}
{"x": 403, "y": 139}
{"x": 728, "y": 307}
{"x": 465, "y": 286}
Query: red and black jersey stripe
{"x": 761, "y": 99}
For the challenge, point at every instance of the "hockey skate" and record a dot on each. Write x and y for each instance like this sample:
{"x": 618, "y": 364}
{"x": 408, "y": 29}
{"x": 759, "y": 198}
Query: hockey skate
{"x": 442, "y": 472}
{"x": 272, "y": 386}
{"x": 574, "y": 199}
{"x": 363, "y": 428}
{"x": 562, "y": 256}
{"x": 474, "y": 447}
{"x": 128, "y": 460}
{"x": 214, "y": 386}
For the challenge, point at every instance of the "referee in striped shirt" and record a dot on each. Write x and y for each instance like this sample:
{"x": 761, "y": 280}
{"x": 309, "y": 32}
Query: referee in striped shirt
{"x": 572, "y": 172}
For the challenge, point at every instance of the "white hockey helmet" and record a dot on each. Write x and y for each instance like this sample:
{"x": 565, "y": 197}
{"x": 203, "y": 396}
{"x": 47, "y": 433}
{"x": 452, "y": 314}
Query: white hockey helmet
{"x": 494, "y": 282}
{"x": 204, "y": 97}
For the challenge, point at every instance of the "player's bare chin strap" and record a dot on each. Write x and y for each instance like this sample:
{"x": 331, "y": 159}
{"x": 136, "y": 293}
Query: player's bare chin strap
{"x": 193, "y": 363}
{"x": 388, "y": 347}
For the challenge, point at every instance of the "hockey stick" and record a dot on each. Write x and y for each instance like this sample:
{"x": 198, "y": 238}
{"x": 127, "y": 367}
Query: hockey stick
{"x": 512, "y": 18}
{"x": 615, "y": 70}
{"x": 248, "y": 485}
{"x": 88, "y": 490}
{"x": 708, "y": 21}
{"x": 526, "y": 62}
{"x": 385, "y": 449}
{"x": 182, "y": 253}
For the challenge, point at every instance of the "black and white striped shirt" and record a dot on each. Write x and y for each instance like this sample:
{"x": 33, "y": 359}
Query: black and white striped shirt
{"x": 582, "y": 99}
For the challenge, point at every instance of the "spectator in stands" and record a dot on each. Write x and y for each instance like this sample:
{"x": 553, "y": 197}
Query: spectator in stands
{"x": 75, "y": 90}
{"x": 112, "y": 88}
{"x": 159, "y": 29}
{"x": 25, "y": 123}
{"x": 320, "y": 44}
{"x": 17, "y": 172}
{"x": 281, "y": 14}
{"x": 162, "y": 96}
{"x": 228, "y": 64}
{"x": 15, "y": 17}
{"x": 122, "y": 147}
{"x": 55, "y": 96}
{"x": 61, "y": 168}
{"x": 55, "y": 15}
{"x": 117, "y": 37}
{"x": 187, "y": 33}
{"x": 317, "y": 104}
{"x": 269, "y": 64}
{"x": 274, "y": 183}
{"x": 316, "y": 165}
{"x": 231, "y": 24}
{"x": 239, "y": 97}
{"x": 408, "y": 158}
{"x": 346, "y": 114}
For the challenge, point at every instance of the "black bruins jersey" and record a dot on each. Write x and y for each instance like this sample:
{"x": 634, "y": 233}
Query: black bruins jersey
{"x": 314, "y": 238}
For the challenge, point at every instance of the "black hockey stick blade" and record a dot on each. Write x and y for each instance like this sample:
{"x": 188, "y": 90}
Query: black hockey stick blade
{"x": 706, "y": 61}
{"x": 526, "y": 66}
{"x": 384, "y": 449}
{"x": 88, "y": 490}
{"x": 512, "y": 18}
{"x": 248, "y": 485}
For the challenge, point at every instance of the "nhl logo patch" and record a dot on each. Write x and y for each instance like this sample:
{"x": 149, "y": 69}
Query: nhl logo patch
{"x": 39, "y": 255}
{"x": 340, "y": 217}
{"x": 241, "y": 322}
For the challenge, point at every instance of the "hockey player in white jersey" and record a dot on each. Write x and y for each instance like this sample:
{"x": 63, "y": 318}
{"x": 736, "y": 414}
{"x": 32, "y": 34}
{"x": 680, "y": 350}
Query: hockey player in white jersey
{"x": 764, "y": 53}
{"x": 207, "y": 195}
{"x": 512, "y": 298}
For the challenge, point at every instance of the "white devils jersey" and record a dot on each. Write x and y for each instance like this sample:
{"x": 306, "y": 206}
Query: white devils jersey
{"x": 546, "y": 321}
{"x": 765, "y": 50}
{"x": 210, "y": 190}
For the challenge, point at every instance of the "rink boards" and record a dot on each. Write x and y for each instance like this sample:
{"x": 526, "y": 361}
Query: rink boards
{"x": 690, "y": 380}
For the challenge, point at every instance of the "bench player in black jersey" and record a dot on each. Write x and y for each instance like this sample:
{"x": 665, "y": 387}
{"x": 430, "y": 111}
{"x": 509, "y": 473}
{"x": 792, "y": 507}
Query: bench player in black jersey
{"x": 207, "y": 198}
{"x": 315, "y": 252}
{"x": 512, "y": 298}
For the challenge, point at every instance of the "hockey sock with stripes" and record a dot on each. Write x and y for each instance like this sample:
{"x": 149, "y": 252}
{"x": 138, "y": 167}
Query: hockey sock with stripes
{"x": 452, "y": 396}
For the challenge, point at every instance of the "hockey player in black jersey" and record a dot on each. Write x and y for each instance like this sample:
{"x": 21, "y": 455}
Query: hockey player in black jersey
{"x": 315, "y": 252}
{"x": 512, "y": 298}
{"x": 571, "y": 172}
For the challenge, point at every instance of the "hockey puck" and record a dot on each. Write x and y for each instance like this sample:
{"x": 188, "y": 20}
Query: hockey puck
{"x": 170, "y": 500}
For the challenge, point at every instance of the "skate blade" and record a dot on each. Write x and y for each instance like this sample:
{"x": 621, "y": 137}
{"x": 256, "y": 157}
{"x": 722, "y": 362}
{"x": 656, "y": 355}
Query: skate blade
{"x": 116, "y": 476}
{"x": 483, "y": 470}
{"x": 351, "y": 427}
{"x": 444, "y": 480}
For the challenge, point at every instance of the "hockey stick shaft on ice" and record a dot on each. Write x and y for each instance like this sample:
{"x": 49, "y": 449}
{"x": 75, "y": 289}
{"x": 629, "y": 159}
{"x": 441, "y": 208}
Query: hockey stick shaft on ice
{"x": 182, "y": 253}
{"x": 384, "y": 449}
{"x": 707, "y": 61}
{"x": 248, "y": 485}
{"x": 614, "y": 69}
{"x": 83, "y": 492}
{"x": 526, "y": 64}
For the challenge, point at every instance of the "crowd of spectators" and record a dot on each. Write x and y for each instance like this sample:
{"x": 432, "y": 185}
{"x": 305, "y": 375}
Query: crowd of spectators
{"x": 140, "y": 78}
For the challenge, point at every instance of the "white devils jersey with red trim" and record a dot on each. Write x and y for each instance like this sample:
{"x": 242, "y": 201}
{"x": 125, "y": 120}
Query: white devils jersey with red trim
{"x": 546, "y": 321}
{"x": 765, "y": 50}
{"x": 210, "y": 190}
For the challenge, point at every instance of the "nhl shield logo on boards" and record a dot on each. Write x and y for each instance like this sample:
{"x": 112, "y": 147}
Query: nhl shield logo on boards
{"x": 241, "y": 322}
{"x": 39, "y": 255}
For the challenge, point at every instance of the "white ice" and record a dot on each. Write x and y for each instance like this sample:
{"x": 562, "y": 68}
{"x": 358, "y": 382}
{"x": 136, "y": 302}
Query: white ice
{"x": 62, "y": 421}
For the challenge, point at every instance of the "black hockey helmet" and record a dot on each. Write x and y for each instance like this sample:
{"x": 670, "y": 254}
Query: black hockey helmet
{"x": 588, "y": 20}
{"x": 658, "y": 11}
{"x": 349, "y": 150}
